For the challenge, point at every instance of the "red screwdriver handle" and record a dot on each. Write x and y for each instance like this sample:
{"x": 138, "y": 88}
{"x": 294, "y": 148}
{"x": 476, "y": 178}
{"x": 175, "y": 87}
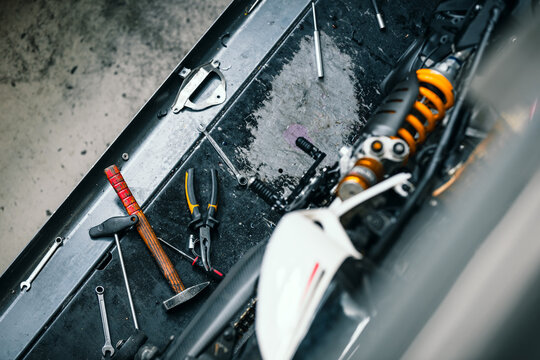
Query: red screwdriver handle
{"x": 144, "y": 228}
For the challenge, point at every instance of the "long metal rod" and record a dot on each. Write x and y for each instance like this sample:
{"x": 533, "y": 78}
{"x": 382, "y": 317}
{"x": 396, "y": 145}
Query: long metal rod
{"x": 177, "y": 250}
{"x": 128, "y": 289}
{"x": 378, "y": 14}
{"x": 317, "y": 39}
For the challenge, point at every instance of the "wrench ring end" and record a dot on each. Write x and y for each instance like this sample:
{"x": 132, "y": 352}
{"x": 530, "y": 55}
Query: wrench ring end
{"x": 107, "y": 349}
{"x": 25, "y": 286}
{"x": 100, "y": 290}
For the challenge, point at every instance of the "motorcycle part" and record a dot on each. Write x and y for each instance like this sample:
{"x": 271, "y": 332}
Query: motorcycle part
{"x": 193, "y": 81}
{"x": 389, "y": 236}
{"x": 306, "y": 250}
{"x": 25, "y": 285}
{"x": 411, "y": 111}
{"x": 300, "y": 193}
{"x": 126, "y": 350}
{"x": 107, "y": 348}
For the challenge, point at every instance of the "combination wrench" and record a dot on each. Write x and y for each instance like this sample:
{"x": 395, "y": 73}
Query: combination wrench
{"x": 25, "y": 285}
{"x": 103, "y": 311}
{"x": 242, "y": 179}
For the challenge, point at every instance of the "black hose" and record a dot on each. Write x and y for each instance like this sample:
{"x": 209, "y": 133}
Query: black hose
{"x": 379, "y": 249}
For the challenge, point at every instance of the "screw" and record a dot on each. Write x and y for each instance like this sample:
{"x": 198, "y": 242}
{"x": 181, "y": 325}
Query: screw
{"x": 228, "y": 335}
{"x": 161, "y": 113}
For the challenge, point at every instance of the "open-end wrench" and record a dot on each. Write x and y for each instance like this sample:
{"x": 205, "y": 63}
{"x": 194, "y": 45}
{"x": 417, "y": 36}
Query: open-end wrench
{"x": 107, "y": 348}
{"x": 25, "y": 285}
{"x": 242, "y": 179}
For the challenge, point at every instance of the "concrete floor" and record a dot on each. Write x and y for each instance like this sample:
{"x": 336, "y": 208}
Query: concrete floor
{"x": 73, "y": 75}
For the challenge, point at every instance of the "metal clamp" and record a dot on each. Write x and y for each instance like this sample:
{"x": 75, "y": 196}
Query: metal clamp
{"x": 193, "y": 80}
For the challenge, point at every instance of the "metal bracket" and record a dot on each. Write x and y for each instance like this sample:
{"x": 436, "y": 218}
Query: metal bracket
{"x": 193, "y": 79}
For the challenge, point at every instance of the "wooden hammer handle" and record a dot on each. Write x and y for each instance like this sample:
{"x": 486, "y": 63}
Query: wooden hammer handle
{"x": 144, "y": 228}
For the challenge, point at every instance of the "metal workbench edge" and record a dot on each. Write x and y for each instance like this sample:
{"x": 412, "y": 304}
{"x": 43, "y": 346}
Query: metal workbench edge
{"x": 155, "y": 149}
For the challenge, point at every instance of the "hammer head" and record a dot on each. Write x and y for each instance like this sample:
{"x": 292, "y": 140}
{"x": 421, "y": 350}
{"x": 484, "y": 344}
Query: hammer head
{"x": 184, "y": 296}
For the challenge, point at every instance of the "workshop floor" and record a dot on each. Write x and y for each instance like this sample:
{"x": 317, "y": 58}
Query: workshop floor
{"x": 73, "y": 75}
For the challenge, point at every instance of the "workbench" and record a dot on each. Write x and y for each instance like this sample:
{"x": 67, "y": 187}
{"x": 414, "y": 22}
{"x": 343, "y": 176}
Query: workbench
{"x": 273, "y": 96}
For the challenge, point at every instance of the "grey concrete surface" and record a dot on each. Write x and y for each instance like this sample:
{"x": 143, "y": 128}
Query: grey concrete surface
{"x": 72, "y": 76}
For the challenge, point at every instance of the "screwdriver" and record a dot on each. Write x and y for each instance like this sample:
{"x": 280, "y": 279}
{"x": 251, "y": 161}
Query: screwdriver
{"x": 194, "y": 261}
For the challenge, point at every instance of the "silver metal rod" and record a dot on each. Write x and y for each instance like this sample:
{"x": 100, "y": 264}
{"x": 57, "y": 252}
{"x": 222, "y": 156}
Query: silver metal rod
{"x": 176, "y": 249}
{"x": 316, "y": 37}
{"x": 135, "y": 322}
{"x": 253, "y": 6}
{"x": 380, "y": 20}
{"x": 314, "y": 16}
{"x": 378, "y": 14}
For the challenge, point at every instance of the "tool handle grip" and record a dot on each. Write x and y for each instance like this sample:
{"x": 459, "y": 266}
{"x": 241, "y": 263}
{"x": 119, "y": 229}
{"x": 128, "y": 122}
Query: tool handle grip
{"x": 213, "y": 204}
{"x": 192, "y": 200}
{"x": 144, "y": 228}
{"x": 118, "y": 183}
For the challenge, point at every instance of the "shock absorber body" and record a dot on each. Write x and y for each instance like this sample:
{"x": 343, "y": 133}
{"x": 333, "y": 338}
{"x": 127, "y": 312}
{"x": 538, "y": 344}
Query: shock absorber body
{"x": 399, "y": 126}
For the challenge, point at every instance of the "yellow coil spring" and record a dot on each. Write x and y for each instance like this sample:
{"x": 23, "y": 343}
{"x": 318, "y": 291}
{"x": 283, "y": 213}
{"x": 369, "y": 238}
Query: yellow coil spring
{"x": 430, "y": 105}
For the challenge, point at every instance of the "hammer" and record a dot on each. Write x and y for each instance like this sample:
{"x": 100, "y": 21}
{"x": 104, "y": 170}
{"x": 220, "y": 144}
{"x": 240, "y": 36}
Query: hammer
{"x": 151, "y": 241}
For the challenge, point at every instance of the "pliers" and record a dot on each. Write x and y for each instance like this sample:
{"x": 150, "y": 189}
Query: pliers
{"x": 204, "y": 225}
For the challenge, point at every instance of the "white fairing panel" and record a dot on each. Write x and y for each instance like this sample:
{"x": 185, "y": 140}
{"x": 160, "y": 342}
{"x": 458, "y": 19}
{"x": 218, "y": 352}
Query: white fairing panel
{"x": 304, "y": 252}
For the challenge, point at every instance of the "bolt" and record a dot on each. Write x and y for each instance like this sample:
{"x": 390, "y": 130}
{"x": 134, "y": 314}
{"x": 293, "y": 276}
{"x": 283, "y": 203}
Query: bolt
{"x": 228, "y": 335}
{"x": 377, "y": 146}
{"x": 161, "y": 113}
{"x": 399, "y": 149}
{"x": 375, "y": 221}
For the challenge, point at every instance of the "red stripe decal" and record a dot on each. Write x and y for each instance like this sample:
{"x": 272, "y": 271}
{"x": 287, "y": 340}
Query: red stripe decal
{"x": 312, "y": 275}
{"x": 313, "y": 272}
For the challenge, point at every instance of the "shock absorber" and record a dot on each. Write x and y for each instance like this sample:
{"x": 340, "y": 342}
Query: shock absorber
{"x": 400, "y": 125}
{"x": 435, "y": 97}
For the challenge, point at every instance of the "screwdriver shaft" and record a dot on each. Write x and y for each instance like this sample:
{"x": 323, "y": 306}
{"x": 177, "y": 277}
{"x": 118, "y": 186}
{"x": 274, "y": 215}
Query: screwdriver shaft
{"x": 128, "y": 289}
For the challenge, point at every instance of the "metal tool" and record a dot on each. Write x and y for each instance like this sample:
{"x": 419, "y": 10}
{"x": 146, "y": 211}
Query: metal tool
{"x": 198, "y": 222}
{"x": 194, "y": 260}
{"x": 150, "y": 239}
{"x": 317, "y": 39}
{"x": 242, "y": 179}
{"x": 25, "y": 285}
{"x": 107, "y": 348}
{"x": 253, "y": 6}
{"x": 114, "y": 226}
{"x": 378, "y": 14}
{"x": 193, "y": 81}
